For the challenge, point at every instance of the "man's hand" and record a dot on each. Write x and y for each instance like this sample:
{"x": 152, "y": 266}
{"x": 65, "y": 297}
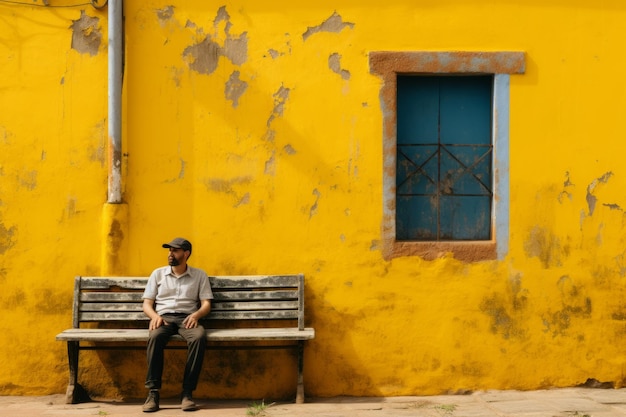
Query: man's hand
{"x": 157, "y": 322}
{"x": 190, "y": 322}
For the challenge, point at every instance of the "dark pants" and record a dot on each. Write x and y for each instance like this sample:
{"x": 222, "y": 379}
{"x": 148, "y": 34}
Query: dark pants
{"x": 196, "y": 345}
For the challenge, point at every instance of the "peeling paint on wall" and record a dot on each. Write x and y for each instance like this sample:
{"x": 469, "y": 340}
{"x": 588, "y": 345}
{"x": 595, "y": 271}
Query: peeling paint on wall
{"x": 86, "y": 36}
{"x": 280, "y": 97}
{"x": 244, "y": 200}
{"x": 313, "y": 209}
{"x": 203, "y": 57}
{"x": 274, "y": 53}
{"x": 181, "y": 173}
{"x": 591, "y": 199}
{"x": 236, "y": 49}
{"x": 566, "y": 185}
{"x": 334, "y": 63}
{"x": 235, "y": 87}
{"x": 270, "y": 165}
{"x": 165, "y": 14}
{"x": 333, "y": 24}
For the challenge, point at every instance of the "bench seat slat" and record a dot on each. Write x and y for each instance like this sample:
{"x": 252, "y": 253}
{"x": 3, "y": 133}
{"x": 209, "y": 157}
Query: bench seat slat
{"x": 223, "y": 335}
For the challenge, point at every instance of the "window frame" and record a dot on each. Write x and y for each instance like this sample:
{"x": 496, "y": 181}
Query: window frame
{"x": 387, "y": 65}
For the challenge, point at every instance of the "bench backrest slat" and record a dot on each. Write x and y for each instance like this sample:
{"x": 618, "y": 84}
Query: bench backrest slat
{"x": 92, "y": 297}
{"x": 126, "y": 283}
{"x": 104, "y": 307}
{"x": 257, "y": 281}
{"x": 263, "y": 297}
{"x": 104, "y": 316}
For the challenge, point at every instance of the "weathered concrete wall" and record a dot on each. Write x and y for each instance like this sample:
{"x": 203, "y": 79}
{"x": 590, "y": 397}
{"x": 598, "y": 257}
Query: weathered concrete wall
{"x": 254, "y": 129}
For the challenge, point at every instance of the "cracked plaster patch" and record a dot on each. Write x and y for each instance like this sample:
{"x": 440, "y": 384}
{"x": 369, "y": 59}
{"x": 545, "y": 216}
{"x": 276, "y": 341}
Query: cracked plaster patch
{"x": 165, "y": 14}
{"x": 591, "y": 198}
{"x": 333, "y": 24}
{"x": 334, "y": 63}
{"x": 280, "y": 97}
{"x": 86, "y": 36}
{"x": 235, "y": 87}
{"x": 204, "y": 57}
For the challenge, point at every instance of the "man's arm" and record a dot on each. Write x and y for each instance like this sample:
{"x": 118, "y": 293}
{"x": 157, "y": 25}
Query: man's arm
{"x": 155, "y": 320}
{"x": 191, "y": 320}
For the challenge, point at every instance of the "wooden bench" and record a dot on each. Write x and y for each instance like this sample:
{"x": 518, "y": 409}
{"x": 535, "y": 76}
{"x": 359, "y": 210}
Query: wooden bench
{"x": 246, "y": 309}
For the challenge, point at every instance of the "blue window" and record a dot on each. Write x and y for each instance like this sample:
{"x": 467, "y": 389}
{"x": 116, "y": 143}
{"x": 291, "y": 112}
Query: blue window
{"x": 445, "y": 144}
{"x": 444, "y": 180}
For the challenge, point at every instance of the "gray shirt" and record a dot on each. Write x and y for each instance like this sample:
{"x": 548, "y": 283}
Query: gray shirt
{"x": 178, "y": 295}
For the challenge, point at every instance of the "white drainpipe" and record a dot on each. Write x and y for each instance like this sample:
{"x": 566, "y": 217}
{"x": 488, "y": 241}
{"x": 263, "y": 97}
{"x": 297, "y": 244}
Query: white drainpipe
{"x": 115, "y": 212}
{"x": 116, "y": 56}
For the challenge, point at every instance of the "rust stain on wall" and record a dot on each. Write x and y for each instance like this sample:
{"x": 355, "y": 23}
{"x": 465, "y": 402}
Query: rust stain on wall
{"x": 221, "y": 185}
{"x": 235, "y": 87}
{"x": 6, "y": 238}
{"x": 334, "y": 63}
{"x": 545, "y": 246}
{"x": 115, "y": 236}
{"x": 227, "y": 187}
{"x": 243, "y": 200}
{"x": 86, "y": 36}
{"x": 574, "y": 305}
{"x": 28, "y": 180}
{"x": 504, "y": 308}
{"x": 333, "y": 24}
{"x": 14, "y": 299}
{"x": 52, "y": 302}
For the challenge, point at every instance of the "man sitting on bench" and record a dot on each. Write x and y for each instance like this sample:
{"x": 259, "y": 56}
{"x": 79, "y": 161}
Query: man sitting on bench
{"x": 175, "y": 298}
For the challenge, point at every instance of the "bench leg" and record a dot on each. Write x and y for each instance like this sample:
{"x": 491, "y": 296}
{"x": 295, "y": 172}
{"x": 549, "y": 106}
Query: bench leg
{"x": 300, "y": 387}
{"x": 72, "y": 356}
{"x": 75, "y": 392}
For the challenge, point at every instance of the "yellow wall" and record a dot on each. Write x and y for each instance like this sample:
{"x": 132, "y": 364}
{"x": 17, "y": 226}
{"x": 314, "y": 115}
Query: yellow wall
{"x": 254, "y": 129}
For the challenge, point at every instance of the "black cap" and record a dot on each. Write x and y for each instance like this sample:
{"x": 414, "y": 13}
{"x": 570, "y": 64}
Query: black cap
{"x": 179, "y": 243}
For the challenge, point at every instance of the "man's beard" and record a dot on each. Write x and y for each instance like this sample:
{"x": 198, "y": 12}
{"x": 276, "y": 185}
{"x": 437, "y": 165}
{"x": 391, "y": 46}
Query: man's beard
{"x": 173, "y": 262}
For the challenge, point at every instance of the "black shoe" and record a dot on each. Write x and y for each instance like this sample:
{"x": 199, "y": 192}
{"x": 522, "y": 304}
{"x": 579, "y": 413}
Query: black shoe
{"x": 152, "y": 402}
{"x": 187, "y": 403}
